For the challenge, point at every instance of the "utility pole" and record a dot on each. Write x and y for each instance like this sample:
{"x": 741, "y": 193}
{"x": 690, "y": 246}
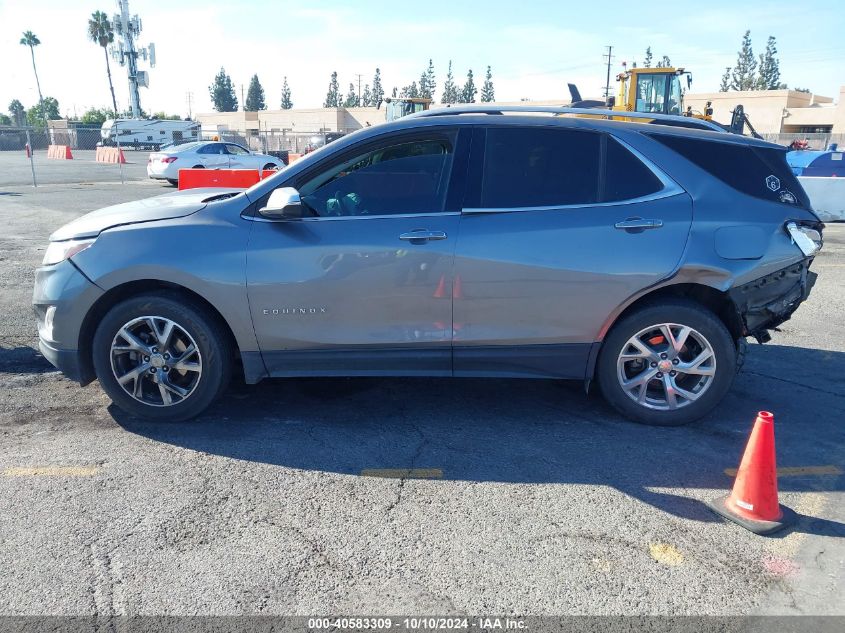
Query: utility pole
{"x": 609, "y": 56}
{"x": 189, "y": 95}
{"x": 359, "y": 89}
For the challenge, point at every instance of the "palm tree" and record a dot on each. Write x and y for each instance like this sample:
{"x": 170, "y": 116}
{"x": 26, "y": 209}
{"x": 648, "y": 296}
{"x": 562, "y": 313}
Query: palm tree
{"x": 101, "y": 32}
{"x": 31, "y": 39}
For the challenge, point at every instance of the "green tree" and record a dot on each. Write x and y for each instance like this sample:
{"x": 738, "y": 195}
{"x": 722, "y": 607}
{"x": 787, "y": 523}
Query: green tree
{"x": 38, "y": 115}
{"x": 744, "y": 75}
{"x": 378, "y": 90}
{"x": 31, "y": 39}
{"x": 726, "y": 80}
{"x": 222, "y": 93}
{"x": 5, "y": 120}
{"x": 97, "y": 115}
{"x": 411, "y": 91}
{"x": 450, "y": 90}
{"x": 469, "y": 90}
{"x": 367, "y": 97}
{"x": 101, "y": 32}
{"x": 430, "y": 79}
{"x": 255, "y": 96}
{"x": 393, "y": 94}
{"x": 807, "y": 90}
{"x": 18, "y": 112}
{"x": 488, "y": 94}
{"x": 648, "y": 58}
{"x": 163, "y": 116}
{"x": 424, "y": 90}
{"x": 287, "y": 104}
{"x": 333, "y": 95}
{"x": 351, "y": 99}
{"x": 769, "y": 76}
{"x": 665, "y": 62}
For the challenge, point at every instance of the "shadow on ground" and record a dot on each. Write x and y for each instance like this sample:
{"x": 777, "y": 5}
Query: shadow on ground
{"x": 527, "y": 431}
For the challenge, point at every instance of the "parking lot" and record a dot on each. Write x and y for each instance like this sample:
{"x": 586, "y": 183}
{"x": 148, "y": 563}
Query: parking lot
{"x": 401, "y": 496}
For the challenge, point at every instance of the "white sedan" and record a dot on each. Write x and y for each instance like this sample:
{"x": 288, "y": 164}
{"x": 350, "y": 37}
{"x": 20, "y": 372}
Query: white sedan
{"x": 165, "y": 165}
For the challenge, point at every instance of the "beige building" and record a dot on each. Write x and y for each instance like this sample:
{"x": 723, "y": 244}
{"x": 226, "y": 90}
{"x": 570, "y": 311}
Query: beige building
{"x": 779, "y": 115}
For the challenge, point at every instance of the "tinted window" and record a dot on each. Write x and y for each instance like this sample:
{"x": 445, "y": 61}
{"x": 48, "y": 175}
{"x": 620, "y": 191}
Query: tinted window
{"x": 626, "y": 176}
{"x": 213, "y": 148}
{"x": 537, "y": 167}
{"x": 756, "y": 171}
{"x": 237, "y": 150}
{"x": 409, "y": 177}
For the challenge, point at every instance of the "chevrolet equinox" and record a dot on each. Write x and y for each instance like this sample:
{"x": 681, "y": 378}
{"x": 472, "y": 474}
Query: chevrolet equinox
{"x": 449, "y": 243}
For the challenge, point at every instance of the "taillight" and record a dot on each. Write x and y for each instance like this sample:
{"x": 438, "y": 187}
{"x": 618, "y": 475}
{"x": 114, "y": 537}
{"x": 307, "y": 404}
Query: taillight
{"x": 169, "y": 159}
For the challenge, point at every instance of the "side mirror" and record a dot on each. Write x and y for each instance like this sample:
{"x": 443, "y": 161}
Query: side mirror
{"x": 283, "y": 204}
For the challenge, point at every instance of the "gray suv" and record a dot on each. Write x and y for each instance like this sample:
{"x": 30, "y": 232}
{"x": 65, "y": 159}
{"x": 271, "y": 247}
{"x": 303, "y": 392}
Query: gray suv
{"x": 459, "y": 242}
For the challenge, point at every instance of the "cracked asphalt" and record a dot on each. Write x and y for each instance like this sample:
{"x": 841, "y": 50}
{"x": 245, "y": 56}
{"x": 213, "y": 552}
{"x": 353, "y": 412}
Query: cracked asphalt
{"x": 543, "y": 501}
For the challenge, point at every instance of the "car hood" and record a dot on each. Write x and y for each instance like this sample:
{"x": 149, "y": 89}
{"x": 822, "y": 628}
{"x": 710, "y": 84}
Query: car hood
{"x": 166, "y": 207}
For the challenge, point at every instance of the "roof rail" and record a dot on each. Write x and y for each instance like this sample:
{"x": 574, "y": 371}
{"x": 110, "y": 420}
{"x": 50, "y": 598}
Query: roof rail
{"x": 483, "y": 109}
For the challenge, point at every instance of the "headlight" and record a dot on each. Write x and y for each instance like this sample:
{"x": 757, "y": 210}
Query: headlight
{"x": 60, "y": 251}
{"x": 807, "y": 239}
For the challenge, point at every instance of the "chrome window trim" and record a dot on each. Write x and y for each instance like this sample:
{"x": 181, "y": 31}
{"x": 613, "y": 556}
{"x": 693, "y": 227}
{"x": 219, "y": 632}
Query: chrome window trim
{"x": 670, "y": 188}
{"x": 431, "y": 214}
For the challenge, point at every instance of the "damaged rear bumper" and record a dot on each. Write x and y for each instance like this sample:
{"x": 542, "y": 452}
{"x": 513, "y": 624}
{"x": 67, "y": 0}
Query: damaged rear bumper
{"x": 765, "y": 303}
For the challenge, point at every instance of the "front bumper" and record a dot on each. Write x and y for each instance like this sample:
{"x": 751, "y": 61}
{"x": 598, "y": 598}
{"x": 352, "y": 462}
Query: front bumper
{"x": 765, "y": 303}
{"x": 66, "y": 295}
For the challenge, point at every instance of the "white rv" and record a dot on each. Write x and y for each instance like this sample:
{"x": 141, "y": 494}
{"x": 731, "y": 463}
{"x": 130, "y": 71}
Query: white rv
{"x": 148, "y": 133}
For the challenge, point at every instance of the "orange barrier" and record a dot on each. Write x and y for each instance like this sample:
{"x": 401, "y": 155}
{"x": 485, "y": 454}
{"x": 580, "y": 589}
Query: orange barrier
{"x": 753, "y": 502}
{"x": 110, "y": 155}
{"x": 59, "y": 151}
{"x": 238, "y": 178}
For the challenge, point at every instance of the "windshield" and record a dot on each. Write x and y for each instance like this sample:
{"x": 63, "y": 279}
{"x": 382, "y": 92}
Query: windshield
{"x": 651, "y": 92}
{"x": 676, "y": 98}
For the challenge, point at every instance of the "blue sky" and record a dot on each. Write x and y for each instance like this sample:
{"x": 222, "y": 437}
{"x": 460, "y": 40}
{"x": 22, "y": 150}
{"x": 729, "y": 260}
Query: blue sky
{"x": 534, "y": 47}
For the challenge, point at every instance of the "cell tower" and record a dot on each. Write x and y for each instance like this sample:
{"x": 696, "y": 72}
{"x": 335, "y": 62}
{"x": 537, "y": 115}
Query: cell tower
{"x": 124, "y": 51}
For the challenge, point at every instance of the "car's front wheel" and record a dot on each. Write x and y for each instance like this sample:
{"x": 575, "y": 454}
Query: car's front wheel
{"x": 667, "y": 364}
{"x": 160, "y": 357}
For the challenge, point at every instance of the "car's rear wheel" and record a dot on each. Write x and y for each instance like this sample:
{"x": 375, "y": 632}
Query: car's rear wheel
{"x": 173, "y": 182}
{"x": 198, "y": 167}
{"x": 269, "y": 167}
{"x": 667, "y": 364}
{"x": 160, "y": 357}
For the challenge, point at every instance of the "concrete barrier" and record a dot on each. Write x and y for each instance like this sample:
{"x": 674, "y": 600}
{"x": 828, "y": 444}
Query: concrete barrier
{"x": 109, "y": 155}
{"x": 827, "y": 195}
{"x": 59, "y": 151}
{"x": 239, "y": 178}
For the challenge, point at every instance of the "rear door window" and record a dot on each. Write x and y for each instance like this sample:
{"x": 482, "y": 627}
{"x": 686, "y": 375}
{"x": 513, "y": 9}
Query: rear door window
{"x": 540, "y": 167}
{"x": 626, "y": 177}
{"x": 757, "y": 171}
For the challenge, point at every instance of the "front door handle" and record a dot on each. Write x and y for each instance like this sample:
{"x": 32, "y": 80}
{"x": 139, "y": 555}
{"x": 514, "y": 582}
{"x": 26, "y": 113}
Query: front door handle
{"x": 638, "y": 224}
{"x": 419, "y": 236}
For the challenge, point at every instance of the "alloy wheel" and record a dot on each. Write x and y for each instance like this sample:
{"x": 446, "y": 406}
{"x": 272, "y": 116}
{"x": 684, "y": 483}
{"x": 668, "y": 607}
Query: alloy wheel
{"x": 666, "y": 366}
{"x": 156, "y": 361}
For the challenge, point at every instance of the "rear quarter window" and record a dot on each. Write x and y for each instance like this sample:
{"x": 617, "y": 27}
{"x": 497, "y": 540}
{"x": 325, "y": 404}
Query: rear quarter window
{"x": 757, "y": 171}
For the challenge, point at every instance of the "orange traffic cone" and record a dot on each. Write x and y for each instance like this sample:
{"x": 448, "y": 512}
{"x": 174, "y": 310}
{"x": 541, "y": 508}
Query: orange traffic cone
{"x": 441, "y": 288}
{"x": 753, "y": 502}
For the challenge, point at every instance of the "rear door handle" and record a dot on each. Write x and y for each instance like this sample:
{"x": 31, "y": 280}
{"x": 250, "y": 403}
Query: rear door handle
{"x": 638, "y": 223}
{"x": 418, "y": 236}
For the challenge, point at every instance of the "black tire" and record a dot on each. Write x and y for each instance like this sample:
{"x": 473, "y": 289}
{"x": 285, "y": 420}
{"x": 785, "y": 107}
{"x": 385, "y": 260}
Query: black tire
{"x": 269, "y": 167}
{"x": 211, "y": 339}
{"x": 198, "y": 167}
{"x": 676, "y": 311}
{"x": 173, "y": 182}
